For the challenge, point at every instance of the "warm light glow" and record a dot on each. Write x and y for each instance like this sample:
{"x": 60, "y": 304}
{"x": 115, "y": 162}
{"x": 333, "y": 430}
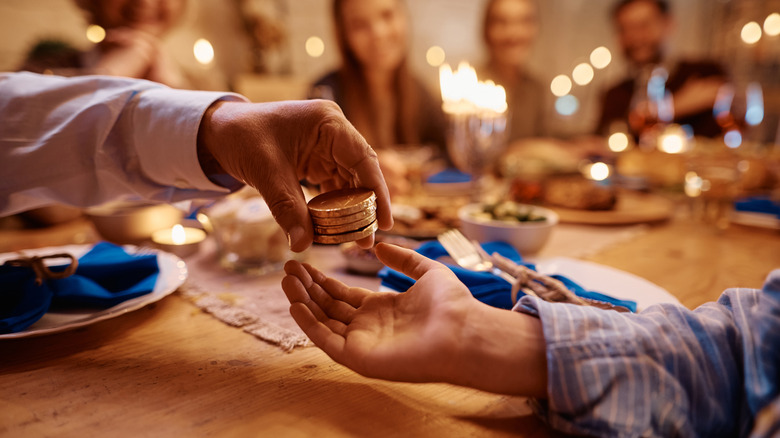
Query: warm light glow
{"x": 600, "y": 57}
{"x": 567, "y": 105}
{"x": 693, "y": 184}
{"x": 204, "y": 52}
{"x": 599, "y": 171}
{"x": 463, "y": 93}
{"x": 618, "y": 142}
{"x": 315, "y": 47}
{"x": 772, "y": 24}
{"x": 177, "y": 235}
{"x": 95, "y": 33}
{"x": 751, "y": 33}
{"x": 582, "y": 74}
{"x": 560, "y": 85}
{"x": 672, "y": 143}
{"x": 435, "y": 56}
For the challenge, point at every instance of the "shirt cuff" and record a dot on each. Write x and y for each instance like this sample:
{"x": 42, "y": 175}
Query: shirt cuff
{"x": 165, "y": 125}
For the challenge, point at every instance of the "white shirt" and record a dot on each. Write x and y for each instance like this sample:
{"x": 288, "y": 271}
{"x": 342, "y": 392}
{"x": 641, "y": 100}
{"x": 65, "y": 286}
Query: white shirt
{"x": 87, "y": 140}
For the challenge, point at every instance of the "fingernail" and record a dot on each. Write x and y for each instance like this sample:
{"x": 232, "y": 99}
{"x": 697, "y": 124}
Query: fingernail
{"x": 295, "y": 235}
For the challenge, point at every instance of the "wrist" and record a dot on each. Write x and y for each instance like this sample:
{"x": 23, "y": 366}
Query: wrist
{"x": 207, "y": 138}
{"x": 502, "y": 352}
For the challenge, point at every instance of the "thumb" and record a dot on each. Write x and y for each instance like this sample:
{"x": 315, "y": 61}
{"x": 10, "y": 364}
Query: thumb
{"x": 282, "y": 192}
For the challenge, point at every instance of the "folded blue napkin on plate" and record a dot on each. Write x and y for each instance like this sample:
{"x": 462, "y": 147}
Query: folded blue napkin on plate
{"x": 486, "y": 287}
{"x": 448, "y": 176}
{"x": 758, "y": 204}
{"x": 106, "y": 276}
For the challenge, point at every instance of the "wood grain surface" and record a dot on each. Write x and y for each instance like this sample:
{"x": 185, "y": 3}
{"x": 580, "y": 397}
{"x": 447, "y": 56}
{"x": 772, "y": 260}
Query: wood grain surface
{"x": 170, "y": 370}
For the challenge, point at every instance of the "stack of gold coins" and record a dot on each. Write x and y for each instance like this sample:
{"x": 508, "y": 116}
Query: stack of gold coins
{"x": 343, "y": 215}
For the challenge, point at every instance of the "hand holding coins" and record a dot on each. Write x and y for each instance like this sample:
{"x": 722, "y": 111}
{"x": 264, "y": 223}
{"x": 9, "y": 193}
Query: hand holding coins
{"x": 343, "y": 215}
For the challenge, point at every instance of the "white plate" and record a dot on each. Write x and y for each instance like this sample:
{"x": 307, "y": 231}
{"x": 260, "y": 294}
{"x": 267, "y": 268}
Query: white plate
{"x": 605, "y": 280}
{"x": 173, "y": 272}
{"x": 752, "y": 219}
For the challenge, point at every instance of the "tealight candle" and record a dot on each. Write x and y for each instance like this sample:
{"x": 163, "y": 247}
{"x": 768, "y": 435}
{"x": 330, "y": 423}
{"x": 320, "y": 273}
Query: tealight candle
{"x": 179, "y": 240}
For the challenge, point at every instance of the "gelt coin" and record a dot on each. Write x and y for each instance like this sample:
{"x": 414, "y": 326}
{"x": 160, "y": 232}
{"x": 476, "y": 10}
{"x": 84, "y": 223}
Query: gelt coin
{"x": 341, "y": 202}
{"x": 332, "y": 239}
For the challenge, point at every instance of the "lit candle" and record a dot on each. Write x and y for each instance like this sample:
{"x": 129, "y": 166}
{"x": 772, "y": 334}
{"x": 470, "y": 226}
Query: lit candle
{"x": 179, "y": 240}
{"x": 463, "y": 93}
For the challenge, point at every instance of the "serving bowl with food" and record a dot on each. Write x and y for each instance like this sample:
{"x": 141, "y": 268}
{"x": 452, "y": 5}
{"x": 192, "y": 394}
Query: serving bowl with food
{"x": 524, "y": 226}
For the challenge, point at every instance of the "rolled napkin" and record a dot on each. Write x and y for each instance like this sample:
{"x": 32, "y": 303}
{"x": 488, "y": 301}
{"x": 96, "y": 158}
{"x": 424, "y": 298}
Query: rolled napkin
{"x": 487, "y": 287}
{"x": 758, "y": 204}
{"x": 106, "y": 275}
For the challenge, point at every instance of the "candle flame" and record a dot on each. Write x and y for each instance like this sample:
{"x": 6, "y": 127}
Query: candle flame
{"x": 177, "y": 235}
{"x": 462, "y": 92}
{"x": 599, "y": 171}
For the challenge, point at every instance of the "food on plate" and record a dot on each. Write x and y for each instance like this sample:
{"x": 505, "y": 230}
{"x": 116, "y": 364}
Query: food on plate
{"x": 571, "y": 191}
{"x": 508, "y": 211}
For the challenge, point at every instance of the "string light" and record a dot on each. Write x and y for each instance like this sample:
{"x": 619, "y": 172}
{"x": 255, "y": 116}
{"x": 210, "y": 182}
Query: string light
{"x": 435, "y": 56}
{"x": 751, "y": 33}
{"x": 95, "y": 33}
{"x": 582, "y": 74}
{"x": 600, "y": 57}
{"x": 560, "y": 85}
{"x": 315, "y": 47}
{"x": 772, "y": 24}
{"x": 203, "y": 51}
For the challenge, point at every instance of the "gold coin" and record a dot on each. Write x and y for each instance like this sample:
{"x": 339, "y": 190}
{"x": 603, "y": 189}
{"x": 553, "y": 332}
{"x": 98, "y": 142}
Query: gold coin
{"x": 345, "y": 228}
{"x": 340, "y": 220}
{"x": 333, "y": 239}
{"x": 341, "y": 202}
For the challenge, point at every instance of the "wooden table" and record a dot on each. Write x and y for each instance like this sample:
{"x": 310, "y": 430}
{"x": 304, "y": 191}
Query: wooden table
{"x": 170, "y": 370}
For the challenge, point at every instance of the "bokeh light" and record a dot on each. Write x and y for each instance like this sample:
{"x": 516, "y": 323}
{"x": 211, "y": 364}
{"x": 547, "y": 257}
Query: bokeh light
{"x": 582, "y": 74}
{"x": 751, "y": 33}
{"x": 435, "y": 56}
{"x": 315, "y": 47}
{"x": 560, "y": 85}
{"x": 733, "y": 139}
{"x": 618, "y": 142}
{"x": 567, "y": 105}
{"x": 600, "y": 57}
{"x": 772, "y": 24}
{"x": 599, "y": 171}
{"x": 95, "y": 33}
{"x": 204, "y": 52}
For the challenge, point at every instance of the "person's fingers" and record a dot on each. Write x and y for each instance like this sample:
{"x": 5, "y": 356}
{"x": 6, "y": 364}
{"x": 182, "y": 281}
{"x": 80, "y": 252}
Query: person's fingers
{"x": 336, "y": 289}
{"x": 322, "y": 336}
{"x": 326, "y": 293}
{"x": 282, "y": 192}
{"x": 405, "y": 260}
{"x": 361, "y": 162}
{"x": 297, "y": 293}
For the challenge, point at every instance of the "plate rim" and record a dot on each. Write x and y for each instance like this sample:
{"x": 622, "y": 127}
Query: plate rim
{"x": 168, "y": 264}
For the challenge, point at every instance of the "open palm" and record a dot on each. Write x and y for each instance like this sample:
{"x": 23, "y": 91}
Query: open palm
{"x": 409, "y": 336}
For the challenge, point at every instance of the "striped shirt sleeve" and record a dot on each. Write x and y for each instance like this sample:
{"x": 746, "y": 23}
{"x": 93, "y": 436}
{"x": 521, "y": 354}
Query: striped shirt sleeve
{"x": 667, "y": 371}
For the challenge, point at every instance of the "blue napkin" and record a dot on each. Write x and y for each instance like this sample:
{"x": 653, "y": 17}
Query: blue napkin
{"x": 486, "y": 287}
{"x": 758, "y": 204}
{"x": 106, "y": 276}
{"x": 449, "y": 176}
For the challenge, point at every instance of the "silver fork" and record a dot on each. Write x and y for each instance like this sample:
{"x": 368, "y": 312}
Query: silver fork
{"x": 468, "y": 255}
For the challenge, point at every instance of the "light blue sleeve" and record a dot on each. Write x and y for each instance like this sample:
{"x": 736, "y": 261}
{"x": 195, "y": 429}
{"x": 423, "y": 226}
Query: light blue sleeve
{"x": 667, "y": 371}
{"x": 87, "y": 140}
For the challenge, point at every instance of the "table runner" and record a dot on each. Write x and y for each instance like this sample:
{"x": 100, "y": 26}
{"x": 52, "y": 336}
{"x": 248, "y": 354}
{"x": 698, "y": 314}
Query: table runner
{"x": 257, "y": 304}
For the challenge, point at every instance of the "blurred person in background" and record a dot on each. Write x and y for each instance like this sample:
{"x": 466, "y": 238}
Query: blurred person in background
{"x": 132, "y": 47}
{"x": 509, "y": 31}
{"x": 644, "y": 28}
{"x": 375, "y": 87}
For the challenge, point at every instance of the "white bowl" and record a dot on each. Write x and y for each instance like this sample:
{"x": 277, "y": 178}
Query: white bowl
{"x": 526, "y": 237}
